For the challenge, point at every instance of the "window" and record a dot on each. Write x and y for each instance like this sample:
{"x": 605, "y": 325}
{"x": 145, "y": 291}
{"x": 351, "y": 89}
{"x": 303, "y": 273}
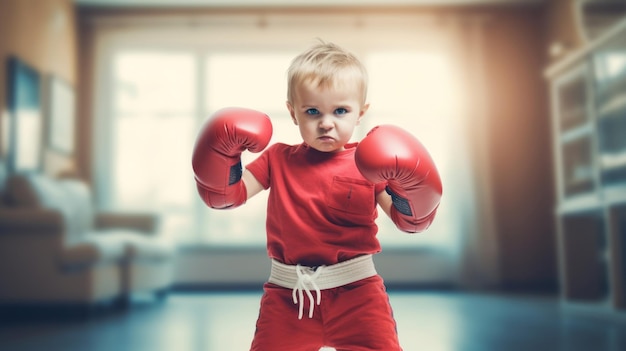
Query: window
{"x": 161, "y": 96}
{"x": 254, "y": 80}
{"x": 153, "y": 128}
{"x": 416, "y": 90}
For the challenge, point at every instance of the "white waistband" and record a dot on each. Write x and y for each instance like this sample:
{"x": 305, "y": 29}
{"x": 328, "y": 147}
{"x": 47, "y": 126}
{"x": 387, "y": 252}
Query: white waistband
{"x": 303, "y": 279}
{"x": 328, "y": 277}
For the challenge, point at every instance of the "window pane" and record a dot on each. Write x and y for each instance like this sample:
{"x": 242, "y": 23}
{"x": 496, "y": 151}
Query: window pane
{"x": 154, "y": 81}
{"x": 258, "y": 81}
{"x": 253, "y": 80}
{"x": 417, "y": 91}
{"x": 153, "y": 134}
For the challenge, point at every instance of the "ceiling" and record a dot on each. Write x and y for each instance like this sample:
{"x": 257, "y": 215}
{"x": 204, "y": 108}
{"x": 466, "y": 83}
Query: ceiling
{"x": 292, "y": 3}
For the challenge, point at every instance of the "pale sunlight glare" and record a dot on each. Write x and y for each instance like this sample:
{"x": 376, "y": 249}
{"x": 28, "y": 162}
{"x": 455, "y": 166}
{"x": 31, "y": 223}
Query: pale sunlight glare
{"x": 30, "y": 124}
{"x": 253, "y": 80}
{"x": 154, "y": 125}
{"x": 156, "y": 118}
{"x": 418, "y": 91}
{"x": 257, "y": 81}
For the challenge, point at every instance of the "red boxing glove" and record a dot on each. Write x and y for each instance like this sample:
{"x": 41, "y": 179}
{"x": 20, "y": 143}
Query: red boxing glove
{"x": 389, "y": 153}
{"x": 216, "y": 157}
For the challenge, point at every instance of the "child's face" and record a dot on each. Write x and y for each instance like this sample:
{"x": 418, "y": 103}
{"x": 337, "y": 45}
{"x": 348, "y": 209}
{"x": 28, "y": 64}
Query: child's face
{"x": 327, "y": 116}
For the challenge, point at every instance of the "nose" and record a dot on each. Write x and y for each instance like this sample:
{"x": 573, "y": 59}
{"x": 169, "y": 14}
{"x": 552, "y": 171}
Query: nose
{"x": 326, "y": 122}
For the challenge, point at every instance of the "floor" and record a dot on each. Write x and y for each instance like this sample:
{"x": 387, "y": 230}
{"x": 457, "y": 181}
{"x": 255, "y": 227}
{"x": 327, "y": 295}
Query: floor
{"x": 448, "y": 321}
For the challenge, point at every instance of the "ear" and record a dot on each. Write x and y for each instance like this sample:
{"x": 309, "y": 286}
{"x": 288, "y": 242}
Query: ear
{"x": 364, "y": 109}
{"x": 292, "y": 112}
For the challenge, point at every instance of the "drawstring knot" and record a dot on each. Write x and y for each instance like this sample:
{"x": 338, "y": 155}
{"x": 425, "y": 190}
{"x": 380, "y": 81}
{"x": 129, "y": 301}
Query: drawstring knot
{"x": 304, "y": 284}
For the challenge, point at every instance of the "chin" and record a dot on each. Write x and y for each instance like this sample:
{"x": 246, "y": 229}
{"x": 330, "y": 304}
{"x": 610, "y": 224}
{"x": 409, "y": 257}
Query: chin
{"x": 328, "y": 148}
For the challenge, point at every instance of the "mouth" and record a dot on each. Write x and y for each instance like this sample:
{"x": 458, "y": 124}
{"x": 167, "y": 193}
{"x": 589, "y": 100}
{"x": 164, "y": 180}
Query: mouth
{"x": 325, "y": 138}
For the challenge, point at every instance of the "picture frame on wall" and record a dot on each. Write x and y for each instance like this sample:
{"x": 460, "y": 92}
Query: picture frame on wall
{"x": 5, "y": 128}
{"x": 61, "y": 115}
{"x": 25, "y": 149}
{"x": 5, "y": 125}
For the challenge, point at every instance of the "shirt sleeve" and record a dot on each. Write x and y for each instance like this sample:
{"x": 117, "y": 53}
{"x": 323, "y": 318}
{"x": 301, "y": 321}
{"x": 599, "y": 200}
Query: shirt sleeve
{"x": 380, "y": 187}
{"x": 260, "y": 168}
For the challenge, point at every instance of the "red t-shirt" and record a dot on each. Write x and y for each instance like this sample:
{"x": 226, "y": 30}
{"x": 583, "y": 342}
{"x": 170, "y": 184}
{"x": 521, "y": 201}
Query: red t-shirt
{"x": 320, "y": 210}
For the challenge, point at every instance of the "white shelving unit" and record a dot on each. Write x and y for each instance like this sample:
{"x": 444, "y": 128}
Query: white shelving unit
{"x": 588, "y": 99}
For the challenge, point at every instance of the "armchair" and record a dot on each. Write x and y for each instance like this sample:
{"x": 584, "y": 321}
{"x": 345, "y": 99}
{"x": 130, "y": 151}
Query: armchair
{"x": 55, "y": 248}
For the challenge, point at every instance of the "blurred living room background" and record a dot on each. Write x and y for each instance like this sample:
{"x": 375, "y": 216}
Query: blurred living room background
{"x": 521, "y": 103}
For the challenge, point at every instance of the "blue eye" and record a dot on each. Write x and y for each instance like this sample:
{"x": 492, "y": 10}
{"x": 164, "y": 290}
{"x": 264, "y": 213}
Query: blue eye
{"x": 312, "y": 111}
{"x": 341, "y": 111}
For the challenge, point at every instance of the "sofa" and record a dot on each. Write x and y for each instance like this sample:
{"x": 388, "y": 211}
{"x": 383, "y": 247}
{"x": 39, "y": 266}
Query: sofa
{"x": 55, "y": 248}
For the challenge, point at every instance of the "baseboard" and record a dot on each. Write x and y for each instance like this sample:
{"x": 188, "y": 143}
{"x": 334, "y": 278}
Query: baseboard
{"x": 258, "y": 287}
{"x": 216, "y": 287}
{"x": 57, "y": 312}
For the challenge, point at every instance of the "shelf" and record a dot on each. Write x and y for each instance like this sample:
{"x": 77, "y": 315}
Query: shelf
{"x": 588, "y": 96}
{"x": 572, "y": 96}
{"x": 574, "y": 58}
{"x": 579, "y": 204}
{"x": 573, "y": 118}
{"x": 578, "y": 170}
{"x": 614, "y": 194}
{"x": 613, "y": 176}
{"x": 584, "y": 245}
{"x": 613, "y": 161}
{"x": 575, "y": 134}
{"x": 617, "y": 231}
{"x": 573, "y": 113}
{"x": 614, "y": 105}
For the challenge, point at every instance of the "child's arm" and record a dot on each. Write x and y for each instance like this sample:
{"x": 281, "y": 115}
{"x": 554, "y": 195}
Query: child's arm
{"x": 253, "y": 186}
{"x": 414, "y": 189}
{"x": 217, "y": 154}
{"x": 384, "y": 201}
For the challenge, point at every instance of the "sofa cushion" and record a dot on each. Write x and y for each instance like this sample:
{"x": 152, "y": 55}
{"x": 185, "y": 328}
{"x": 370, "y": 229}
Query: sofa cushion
{"x": 150, "y": 248}
{"x": 69, "y": 196}
{"x": 79, "y": 198}
{"x": 37, "y": 191}
{"x": 139, "y": 246}
{"x": 93, "y": 250}
{"x": 34, "y": 190}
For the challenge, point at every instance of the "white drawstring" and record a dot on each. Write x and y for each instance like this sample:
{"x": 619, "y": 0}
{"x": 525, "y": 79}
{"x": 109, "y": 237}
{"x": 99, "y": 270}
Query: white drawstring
{"x": 303, "y": 279}
{"x": 306, "y": 278}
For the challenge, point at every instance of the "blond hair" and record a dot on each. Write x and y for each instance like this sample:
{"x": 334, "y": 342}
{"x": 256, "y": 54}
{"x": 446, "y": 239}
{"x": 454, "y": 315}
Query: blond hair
{"x": 326, "y": 65}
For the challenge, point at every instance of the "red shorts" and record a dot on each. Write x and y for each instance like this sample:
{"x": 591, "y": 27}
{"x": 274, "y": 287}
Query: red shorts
{"x": 353, "y": 317}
